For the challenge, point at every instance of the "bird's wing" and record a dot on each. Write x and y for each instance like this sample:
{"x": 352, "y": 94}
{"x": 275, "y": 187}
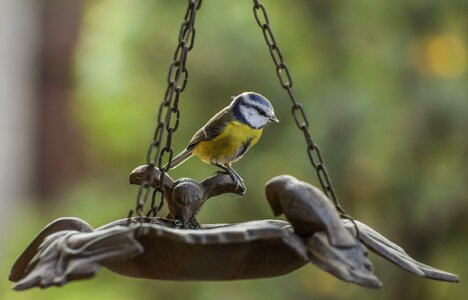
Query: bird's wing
{"x": 212, "y": 129}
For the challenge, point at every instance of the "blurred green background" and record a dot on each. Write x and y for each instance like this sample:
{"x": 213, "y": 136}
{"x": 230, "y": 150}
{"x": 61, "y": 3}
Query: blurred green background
{"x": 384, "y": 84}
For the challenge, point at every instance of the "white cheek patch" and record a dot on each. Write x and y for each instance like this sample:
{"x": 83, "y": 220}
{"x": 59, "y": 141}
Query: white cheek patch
{"x": 253, "y": 117}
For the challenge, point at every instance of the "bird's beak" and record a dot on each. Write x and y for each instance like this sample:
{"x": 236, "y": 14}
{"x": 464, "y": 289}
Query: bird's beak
{"x": 274, "y": 119}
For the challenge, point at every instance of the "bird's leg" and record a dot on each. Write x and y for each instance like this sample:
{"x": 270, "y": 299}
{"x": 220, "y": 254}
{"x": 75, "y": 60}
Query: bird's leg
{"x": 234, "y": 176}
{"x": 226, "y": 171}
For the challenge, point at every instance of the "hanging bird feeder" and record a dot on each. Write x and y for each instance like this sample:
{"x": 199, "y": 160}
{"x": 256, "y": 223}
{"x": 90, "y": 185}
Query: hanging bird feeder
{"x": 178, "y": 247}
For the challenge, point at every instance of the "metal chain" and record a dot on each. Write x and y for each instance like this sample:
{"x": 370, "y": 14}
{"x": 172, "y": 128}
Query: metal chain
{"x": 168, "y": 110}
{"x": 285, "y": 79}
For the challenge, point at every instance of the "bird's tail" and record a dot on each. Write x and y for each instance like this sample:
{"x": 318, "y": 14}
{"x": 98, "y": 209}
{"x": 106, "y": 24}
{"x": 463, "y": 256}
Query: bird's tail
{"x": 180, "y": 158}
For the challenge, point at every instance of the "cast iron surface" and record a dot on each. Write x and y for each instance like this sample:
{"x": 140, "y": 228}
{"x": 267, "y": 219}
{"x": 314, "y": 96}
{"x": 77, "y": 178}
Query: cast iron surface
{"x": 160, "y": 248}
{"x": 185, "y": 196}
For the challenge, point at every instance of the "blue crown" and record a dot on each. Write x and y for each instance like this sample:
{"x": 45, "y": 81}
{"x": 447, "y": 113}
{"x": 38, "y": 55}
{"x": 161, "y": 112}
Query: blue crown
{"x": 258, "y": 98}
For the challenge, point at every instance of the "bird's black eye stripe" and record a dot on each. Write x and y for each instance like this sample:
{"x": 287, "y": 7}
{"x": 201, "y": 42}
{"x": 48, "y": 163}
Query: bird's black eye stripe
{"x": 258, "y": 109}
{"x": 261, "y": 111}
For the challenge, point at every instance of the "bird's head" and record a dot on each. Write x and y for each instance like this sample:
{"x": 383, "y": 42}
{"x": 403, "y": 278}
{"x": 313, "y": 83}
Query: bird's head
{"x": 253, "y": 109}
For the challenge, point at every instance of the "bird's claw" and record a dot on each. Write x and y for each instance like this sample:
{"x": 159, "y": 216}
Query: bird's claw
{"x": 240, "y": 184}
{"x": 243, "y": 192}
{"x": 236, "y": 179}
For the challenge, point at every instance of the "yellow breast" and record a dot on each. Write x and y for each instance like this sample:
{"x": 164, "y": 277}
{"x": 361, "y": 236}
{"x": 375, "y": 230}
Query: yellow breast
{"x": 233, "y": 142}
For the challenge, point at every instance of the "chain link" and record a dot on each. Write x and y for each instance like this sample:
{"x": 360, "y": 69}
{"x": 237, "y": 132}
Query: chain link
{"x": 177, "y": 77}
{"x": 285, "y": 79}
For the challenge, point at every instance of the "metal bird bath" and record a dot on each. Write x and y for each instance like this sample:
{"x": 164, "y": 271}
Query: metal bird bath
{"x": 165, "y": 248}
{"x": 178, "y": 247}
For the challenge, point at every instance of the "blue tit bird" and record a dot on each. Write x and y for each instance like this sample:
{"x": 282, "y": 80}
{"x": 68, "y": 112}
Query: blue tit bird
{"x": 230, "y": 134}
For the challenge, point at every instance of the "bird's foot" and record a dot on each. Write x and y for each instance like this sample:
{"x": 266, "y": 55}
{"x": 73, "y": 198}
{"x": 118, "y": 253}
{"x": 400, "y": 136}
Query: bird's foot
{"x": 237, "y": 180}
{"x": 239, "y": 183}
{"x": 243, "y": 192}
{"x": 226, "y": 169}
